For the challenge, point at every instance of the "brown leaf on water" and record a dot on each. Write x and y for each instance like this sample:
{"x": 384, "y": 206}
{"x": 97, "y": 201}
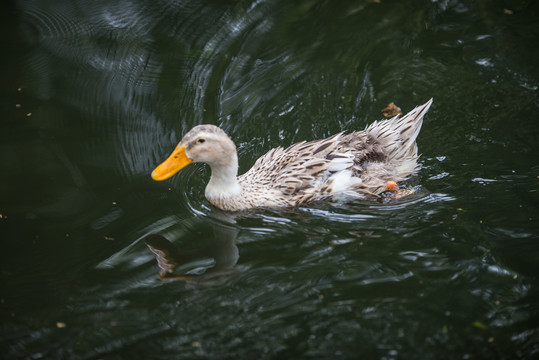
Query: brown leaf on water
{"x": 391, "y": 110}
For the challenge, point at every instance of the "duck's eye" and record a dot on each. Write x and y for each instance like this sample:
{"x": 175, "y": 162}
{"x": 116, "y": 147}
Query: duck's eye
{"x": 201, "y": 141}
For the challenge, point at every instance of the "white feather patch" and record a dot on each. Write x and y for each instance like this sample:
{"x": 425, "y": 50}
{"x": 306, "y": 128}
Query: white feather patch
{"x": 342, "y": 181}
{"x": 341, "y": 163}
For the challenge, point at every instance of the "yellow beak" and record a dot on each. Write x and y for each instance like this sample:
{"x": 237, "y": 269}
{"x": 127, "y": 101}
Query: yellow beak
{"x": 175, "y": 162}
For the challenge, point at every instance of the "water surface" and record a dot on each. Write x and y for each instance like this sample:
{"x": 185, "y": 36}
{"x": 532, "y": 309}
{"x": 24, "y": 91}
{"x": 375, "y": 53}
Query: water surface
{"x": 99, "y": 261}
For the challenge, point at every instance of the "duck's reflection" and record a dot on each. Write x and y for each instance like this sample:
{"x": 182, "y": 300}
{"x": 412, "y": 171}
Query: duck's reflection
{"x": 210, "y": 266}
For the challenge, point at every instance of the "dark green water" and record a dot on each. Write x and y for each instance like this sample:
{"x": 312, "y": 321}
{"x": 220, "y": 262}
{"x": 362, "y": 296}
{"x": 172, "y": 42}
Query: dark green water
{"x": 96, "y": 93}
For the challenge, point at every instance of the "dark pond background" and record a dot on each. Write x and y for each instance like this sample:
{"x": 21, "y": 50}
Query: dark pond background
{"x": 94, "y": 94}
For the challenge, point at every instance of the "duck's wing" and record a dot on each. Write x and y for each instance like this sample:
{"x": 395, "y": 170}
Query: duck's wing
{"x": 300, "y": 168}
{"x": 360, "y": 161}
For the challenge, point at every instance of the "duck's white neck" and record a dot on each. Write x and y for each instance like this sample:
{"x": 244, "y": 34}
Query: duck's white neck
{"x": 224, "y": 181}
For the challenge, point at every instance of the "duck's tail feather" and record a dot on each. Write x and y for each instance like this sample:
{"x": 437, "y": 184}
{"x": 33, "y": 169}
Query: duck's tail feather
{"x": 409, "y": 125}
{"x": 397, "y": 136}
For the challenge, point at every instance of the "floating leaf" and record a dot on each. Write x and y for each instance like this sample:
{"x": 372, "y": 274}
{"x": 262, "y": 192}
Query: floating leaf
{"x": 480, "y": 325}
{"x": 391, "y": 110}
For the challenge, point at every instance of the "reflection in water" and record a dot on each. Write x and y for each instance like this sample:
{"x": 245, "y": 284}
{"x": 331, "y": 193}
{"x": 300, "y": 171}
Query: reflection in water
{"x": 223, "y": 252}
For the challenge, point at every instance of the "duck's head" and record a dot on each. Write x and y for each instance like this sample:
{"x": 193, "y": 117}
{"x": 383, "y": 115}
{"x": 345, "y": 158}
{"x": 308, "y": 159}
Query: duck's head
{"x": 203, "y": 143}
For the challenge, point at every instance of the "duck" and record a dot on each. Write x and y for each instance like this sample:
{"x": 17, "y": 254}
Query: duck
{"x": 360, "y": 164}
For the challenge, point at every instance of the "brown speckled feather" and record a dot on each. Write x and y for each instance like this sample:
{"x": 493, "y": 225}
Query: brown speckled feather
{"x": 386, "y": 150}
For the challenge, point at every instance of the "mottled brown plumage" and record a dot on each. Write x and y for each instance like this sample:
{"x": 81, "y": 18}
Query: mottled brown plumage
{"x": 356, "y": 164}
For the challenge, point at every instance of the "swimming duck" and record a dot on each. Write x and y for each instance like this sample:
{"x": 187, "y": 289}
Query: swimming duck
{"x": 362, "y": 164}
